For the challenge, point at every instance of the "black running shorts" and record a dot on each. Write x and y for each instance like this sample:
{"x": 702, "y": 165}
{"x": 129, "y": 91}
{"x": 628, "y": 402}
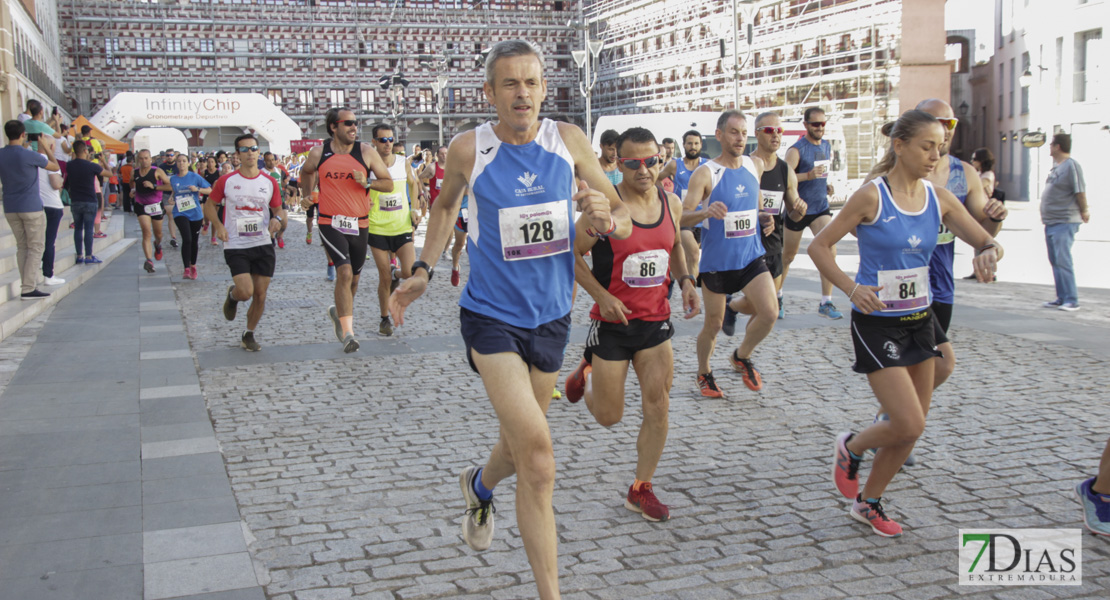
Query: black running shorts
{"x": 616, "y": 341}
{"x": 390, "y": 243}
{"x": 259, "y": 260}
{"x": 882, "y": 342}
{"x": 345, "y": 249}
{"x": 806, "y": 221}
{"x": 731, "y": 282}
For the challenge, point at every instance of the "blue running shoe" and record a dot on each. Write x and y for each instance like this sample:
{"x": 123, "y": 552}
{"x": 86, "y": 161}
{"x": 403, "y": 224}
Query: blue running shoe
{"x": 782, "y": 313}
{"x": 1096, "y": 508}
{"x": 827, "y": 309}
{"x": 729, "y": 325}
{"x": 331, "y": 273}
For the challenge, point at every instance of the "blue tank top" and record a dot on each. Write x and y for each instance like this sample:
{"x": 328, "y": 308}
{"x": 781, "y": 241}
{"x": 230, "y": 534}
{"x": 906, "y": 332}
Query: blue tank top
{"x": 941, "y": 281}
{"x": 815, "y": 192}
{"x": 521, "y": 229}
{"x": 733, "y": 243}
{"x": 682, "y": 176}
{"x": 896, "y": 248}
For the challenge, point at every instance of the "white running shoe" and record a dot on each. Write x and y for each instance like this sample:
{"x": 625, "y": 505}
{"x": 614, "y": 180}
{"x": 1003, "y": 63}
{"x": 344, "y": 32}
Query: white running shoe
{"x": 477, "y": 525}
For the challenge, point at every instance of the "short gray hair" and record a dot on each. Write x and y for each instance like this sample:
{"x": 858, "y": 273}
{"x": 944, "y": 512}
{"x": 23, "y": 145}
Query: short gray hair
{"x": 727, "y": 116}
{"x": 765, "y": 115}
{"x": 509, "y": 49}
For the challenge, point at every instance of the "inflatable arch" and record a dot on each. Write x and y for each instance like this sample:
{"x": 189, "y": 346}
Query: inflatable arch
{"x": 128, "y": 110}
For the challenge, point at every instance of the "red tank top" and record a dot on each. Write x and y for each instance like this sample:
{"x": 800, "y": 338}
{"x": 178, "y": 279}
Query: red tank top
{"x": 340, "y": 193}
{"x": 636, "y": 270}
{"x": 437, "y": 181}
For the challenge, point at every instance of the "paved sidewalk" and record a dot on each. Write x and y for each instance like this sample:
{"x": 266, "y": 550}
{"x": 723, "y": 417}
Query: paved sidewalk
{"x": 111, "y": 482}
{"x": 315, "y": 475}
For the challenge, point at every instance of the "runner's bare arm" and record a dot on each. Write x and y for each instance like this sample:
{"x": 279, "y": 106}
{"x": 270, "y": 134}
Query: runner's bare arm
{"x": 612, "y": 309}
{"x": 957, "y": 218}
{"x": 984, "y": 209}
{"x": 382, "y": 181}
{"x": 797, "y": 206}
{"x": 165, "y": 179}
{"x": 690, "y": 300}
{"x": 416, "y": 189}
{"x": 860, "y": 208}
{"x": 697, "y": 193}
{"x": 591, "y": 198}
{"x": 441, "y": 220}
{"x": 669, "y": 170}
{"x": 308, "y": 171}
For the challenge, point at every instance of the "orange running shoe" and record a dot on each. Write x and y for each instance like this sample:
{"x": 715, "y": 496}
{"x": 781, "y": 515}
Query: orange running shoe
{"x": 709, "y": 387}
{"x": 576, "y": 383}
{"x": 747, "y": 371}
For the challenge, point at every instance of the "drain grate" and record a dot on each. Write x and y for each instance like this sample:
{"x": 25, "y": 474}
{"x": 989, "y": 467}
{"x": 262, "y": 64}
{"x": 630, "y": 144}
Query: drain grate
{"x": 279, "y": 304}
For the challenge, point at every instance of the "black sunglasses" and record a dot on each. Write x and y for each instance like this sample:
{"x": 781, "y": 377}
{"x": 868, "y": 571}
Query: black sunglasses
{"x": 816, "y": 123}
{"x": 385, "y": 140}
{"x": 633, "y": 164}
{"x": 248, "y": 148}
{"x": 348, "y": 122}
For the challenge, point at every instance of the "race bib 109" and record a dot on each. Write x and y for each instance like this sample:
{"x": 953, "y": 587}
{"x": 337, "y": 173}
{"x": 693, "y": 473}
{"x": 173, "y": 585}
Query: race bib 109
{"x": 741, "y": 223}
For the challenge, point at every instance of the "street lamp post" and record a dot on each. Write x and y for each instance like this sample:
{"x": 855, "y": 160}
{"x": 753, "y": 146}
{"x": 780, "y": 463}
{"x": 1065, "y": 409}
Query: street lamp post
{"x": 587, "y": 59}
{"x": 736, "y": 45}
{"x": 394, "y": 84}
{"x": 439, "y": 86}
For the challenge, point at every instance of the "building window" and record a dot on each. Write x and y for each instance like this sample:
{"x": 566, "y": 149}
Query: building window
{"x": 175, "y": 61}
{"x": 1025, "y": 66}
{"x": 173, "y": 45}
{"x": 273, "y": 63}
{"x": 335, "y": 47}
{"x": 1013, "y": 83}
{"x": 1088, "y": 59}
{"x": 366, "y": 99}
{"x": 304, "y": 98}
{"x": 274, "y": 96}
{"x": 242, "y": 48}
{"x": 208, "y": 62}
{"x": 273, "y": 46}
{"x": 207, "y": 46}
{"x": 142, "y": 44}
{"x": 111, "y": 48}
{"x": 336, "y": 63}
{"x": 337, "y": 97}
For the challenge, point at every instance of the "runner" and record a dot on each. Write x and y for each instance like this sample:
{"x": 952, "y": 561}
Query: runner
{"x": 779, "y": 188}
{"x": 149, "y": 182}
{"x": 168, "y": 165}
{"x": 631, "y": 316}
{"x": 461, "y": 226}
{"x": 210, "y": 173}
{"x": 247, "y": 194}
{"x": 390, "y": 222}
{"x": 516, "y": 305}
{"x": 344, "y": 163}
{"x": 895, "y": 218}
{"x": 809, "y": 157}
{"x": 277, "y": 172}
{"x": 608, "y": 158}
{"x": 188, "y": 212}
{"x": 668, "y": 156}
{"x": 681, "y": 170}
{"x": 431, "y": 174}
{"x": 733, "y": 258}
{"x": 1094, "y": 495}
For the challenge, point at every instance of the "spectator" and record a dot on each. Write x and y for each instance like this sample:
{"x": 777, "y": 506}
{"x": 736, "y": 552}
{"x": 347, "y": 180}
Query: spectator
{"x": 23, "y": 116}
{"x": 63, "y": 148}
{"x": 37, "y": 124}
{"x": 94, "y": 144}
{"x": 125, "y": 169}
{"x": 50, "y": 186}
{"x": 1063, "y": 208}
{"x": 608, "y": 158}
{"x": 983, "y": 161}
{"x": 22, "y": 205}
{"x": 84, "y": 201}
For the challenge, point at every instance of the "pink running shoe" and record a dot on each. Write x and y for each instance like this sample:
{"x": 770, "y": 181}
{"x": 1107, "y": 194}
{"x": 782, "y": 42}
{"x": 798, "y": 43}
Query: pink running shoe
{"x": 870, "y": 511}
{"x": 845, "y": 467}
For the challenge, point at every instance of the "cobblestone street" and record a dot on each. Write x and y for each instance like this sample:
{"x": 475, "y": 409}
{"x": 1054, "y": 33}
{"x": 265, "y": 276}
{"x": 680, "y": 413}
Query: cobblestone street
{"x": 345, "y": 467}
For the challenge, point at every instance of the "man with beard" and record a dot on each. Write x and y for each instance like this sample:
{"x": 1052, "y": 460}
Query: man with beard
{"x": 681, "y": 170}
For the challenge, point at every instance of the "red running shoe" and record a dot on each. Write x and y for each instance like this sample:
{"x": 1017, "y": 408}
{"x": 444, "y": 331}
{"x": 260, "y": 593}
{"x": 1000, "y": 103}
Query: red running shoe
{"x": 157, "y": 252}
{"x": 845, "y": 467}
{"x": 871, "y": 512}
{"x": 281, "y": 243}
{"x": 747, "y": 372}
{"x": 643, "y": 501}
{"x": 455, "y": 277}
{"x": 576, "y": 383}
{"x": 708, "y": 386}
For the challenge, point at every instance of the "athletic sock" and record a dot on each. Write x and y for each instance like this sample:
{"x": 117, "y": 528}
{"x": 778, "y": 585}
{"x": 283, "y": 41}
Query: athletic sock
{"x": 826, "y": 299}
{"x": 348, "y": 325}
{"x": 250, "y": 331}
{"x": 479, "y": 489}
{"x": 780, "y": 295}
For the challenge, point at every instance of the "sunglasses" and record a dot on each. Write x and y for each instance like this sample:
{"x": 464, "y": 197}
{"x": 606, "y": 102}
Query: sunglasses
{"x": 770, "y": 130}
{"x": 633, "y": 164}
{"x": 248, "y": 148}
{"x": 385, "y": 140}
{"x": 348, "y": 122}
{"x": 949, "y": 124}
{"x": 816, "y": 123}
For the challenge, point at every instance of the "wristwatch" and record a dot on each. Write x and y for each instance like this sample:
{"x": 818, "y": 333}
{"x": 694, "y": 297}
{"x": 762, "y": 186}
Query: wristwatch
{"x": 422, "y": 265}
{"x": 278, "y": 218}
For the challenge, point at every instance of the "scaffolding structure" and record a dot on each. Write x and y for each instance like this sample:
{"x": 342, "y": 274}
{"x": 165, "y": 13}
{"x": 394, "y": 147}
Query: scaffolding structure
{"x": 309, "y": 55}
{"x": 678, "y": 55}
